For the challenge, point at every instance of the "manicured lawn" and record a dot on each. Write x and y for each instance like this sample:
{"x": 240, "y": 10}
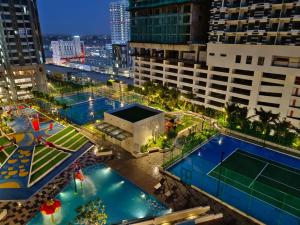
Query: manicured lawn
{"x": 45, "y": 160}
{"x": 78, "y": 144}
{"x": 42, "y": 153}
{"x": 38, "y": 148}
{"x": 2, "y": 157}
{"x": 10, "y": 149}
{"x": 65, "y": 138}
{"x": 73, "y": 140}
{"x": 48, "y": 166}
{"x": 3, "y": 141}
{"x": 186, "y": 121}
{"x": 60, "y": 134}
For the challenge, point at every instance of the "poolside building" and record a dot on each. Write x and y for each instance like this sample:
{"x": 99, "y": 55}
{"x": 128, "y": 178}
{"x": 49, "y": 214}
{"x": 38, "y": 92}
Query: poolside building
{"x": 132, "y": 126}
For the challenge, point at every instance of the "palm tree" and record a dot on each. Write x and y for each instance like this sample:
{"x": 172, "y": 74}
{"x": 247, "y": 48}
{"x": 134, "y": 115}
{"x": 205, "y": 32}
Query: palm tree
{"x": 266, "y": 118}
{"x": 237, "y": 116}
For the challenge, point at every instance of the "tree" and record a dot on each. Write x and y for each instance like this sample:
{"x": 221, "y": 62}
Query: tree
{"x": 91, "y": 213}
{"x": 266, "y": 119}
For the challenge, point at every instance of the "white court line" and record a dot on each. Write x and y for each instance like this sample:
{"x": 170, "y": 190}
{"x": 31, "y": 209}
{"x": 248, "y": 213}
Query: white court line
{"x": 270, "y": 163}
{"x": 262, "y": 170}
{"x": 252, "y": 196}
{"x": 222, "y": 161}
{"x": 296, "y": 189}
{"x": 271, "y": 149}
{"x": 78, "y": 103}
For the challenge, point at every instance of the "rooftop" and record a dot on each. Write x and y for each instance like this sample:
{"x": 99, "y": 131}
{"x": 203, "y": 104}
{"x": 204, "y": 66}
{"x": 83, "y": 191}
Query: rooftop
{"x": 135, "y": 113}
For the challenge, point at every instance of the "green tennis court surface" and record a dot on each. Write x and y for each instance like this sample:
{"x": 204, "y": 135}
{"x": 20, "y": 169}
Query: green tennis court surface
{"x": 274, "y": 183}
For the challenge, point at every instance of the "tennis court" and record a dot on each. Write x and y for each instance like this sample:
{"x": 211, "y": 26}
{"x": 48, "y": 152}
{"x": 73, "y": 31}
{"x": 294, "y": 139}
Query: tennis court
{"x": 272, "y": 182}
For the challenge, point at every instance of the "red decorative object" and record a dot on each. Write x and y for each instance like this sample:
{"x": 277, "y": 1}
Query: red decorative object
{"x": 35, "y": 124}
{"x": 49, "y": 144}
{"x": 79, "y": 175}
{"x": 1, "y": 148}
{"x": 50, "y": 207}
{"x": 51, "y": 126}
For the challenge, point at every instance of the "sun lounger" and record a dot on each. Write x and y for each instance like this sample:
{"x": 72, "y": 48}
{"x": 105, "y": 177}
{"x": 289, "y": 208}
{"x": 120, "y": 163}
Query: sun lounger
{"x": 157, "y": 186}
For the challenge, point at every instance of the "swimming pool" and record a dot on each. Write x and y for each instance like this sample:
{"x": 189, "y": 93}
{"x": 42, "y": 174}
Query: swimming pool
{"x": 122, "y": 199}
{"x": 202, "y": 169}
{"x": 85, "y": 107}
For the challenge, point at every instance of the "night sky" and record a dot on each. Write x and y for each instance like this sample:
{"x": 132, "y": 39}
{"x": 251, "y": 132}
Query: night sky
{"x": 74, "y": 16}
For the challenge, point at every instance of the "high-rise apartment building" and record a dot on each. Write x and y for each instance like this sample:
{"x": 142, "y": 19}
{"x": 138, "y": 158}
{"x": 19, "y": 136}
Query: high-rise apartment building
{"x": 63, "y": 51}
{"x": 21, "y": 50}
{"x": 252, "y": 57}
{"x": 120, "y": 22}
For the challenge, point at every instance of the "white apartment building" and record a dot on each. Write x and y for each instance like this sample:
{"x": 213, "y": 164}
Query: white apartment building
{"x": 252, "y": 58}
{"x": 67, "y": 50}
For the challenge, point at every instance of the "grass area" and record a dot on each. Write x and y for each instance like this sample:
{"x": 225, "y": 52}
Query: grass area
{"x": 2, "y": 157}
{"x": 186, "y": 121}
{"x": 60, "y": 134}
{"x": 39, "y": 148}
{"x": 40, "y": 154}
{"x": 65, "y": 138}
{"x": 4, "y": 141}
{"x": 44, "y": 160}
{"x": 79, "y": 143}
{"x": 73, "y": 140}
{"x": 10, "y": 149}
{"x": 189, "y": 143}
{"x": 38, "y": 174}
{"x": 269, "y": 181}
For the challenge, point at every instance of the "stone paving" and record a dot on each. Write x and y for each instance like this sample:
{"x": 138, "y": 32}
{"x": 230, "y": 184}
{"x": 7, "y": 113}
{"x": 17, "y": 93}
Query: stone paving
{"x": 19, "y": 213}
{"x": 143, "y": 172}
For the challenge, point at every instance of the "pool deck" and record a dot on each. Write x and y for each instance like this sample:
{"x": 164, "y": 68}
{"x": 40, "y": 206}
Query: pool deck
{"x": 135, "y": 170}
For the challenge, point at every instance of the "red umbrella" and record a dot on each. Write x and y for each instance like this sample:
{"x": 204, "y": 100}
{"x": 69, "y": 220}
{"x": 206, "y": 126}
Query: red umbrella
{"x": 50, "y": 207}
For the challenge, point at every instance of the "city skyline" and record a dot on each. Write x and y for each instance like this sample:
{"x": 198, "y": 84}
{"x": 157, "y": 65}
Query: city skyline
{"x": 71, "y": 17}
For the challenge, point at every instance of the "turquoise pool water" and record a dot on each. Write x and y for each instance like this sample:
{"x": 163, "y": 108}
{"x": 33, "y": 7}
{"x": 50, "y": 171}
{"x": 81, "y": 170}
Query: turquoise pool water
{"x": 86, "y": 107}
{"x": 122, "y": 199}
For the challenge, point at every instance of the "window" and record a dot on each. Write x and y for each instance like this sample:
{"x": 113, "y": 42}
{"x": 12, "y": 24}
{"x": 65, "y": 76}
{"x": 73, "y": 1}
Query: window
{"x": 260, "y": 61}
{"x": 249, "y": 59}
{"x": 223, "y": 55}
{"x": 211, "y": 54}
{"x": 297, "y": 81}
{"x": 238, "y": 58}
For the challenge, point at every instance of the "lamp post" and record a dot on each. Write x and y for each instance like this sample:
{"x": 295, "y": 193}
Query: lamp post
{"x": 75, "y": 185}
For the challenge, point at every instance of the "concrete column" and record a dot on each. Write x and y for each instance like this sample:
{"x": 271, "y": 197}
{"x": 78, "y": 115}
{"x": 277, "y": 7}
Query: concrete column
{"x": 254, "y": 92}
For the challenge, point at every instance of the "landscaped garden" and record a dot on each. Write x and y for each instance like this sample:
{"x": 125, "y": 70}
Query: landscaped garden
{"x": 7, "y": 149}
{"x": 263, "y": 124}
{"x": 44, "y": 160}
{"x": 68, "y": 138}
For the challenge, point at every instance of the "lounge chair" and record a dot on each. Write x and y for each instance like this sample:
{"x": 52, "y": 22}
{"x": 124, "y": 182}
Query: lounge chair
{"x": 158, "y": 188}
{"x": 170, "y": 196}
{"x": 3, "y": 214}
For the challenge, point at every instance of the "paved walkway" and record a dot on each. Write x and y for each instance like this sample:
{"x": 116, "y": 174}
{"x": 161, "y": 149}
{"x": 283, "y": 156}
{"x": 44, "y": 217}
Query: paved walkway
{"x": 19, "y": 213}
{"x": 144, "y": 173}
